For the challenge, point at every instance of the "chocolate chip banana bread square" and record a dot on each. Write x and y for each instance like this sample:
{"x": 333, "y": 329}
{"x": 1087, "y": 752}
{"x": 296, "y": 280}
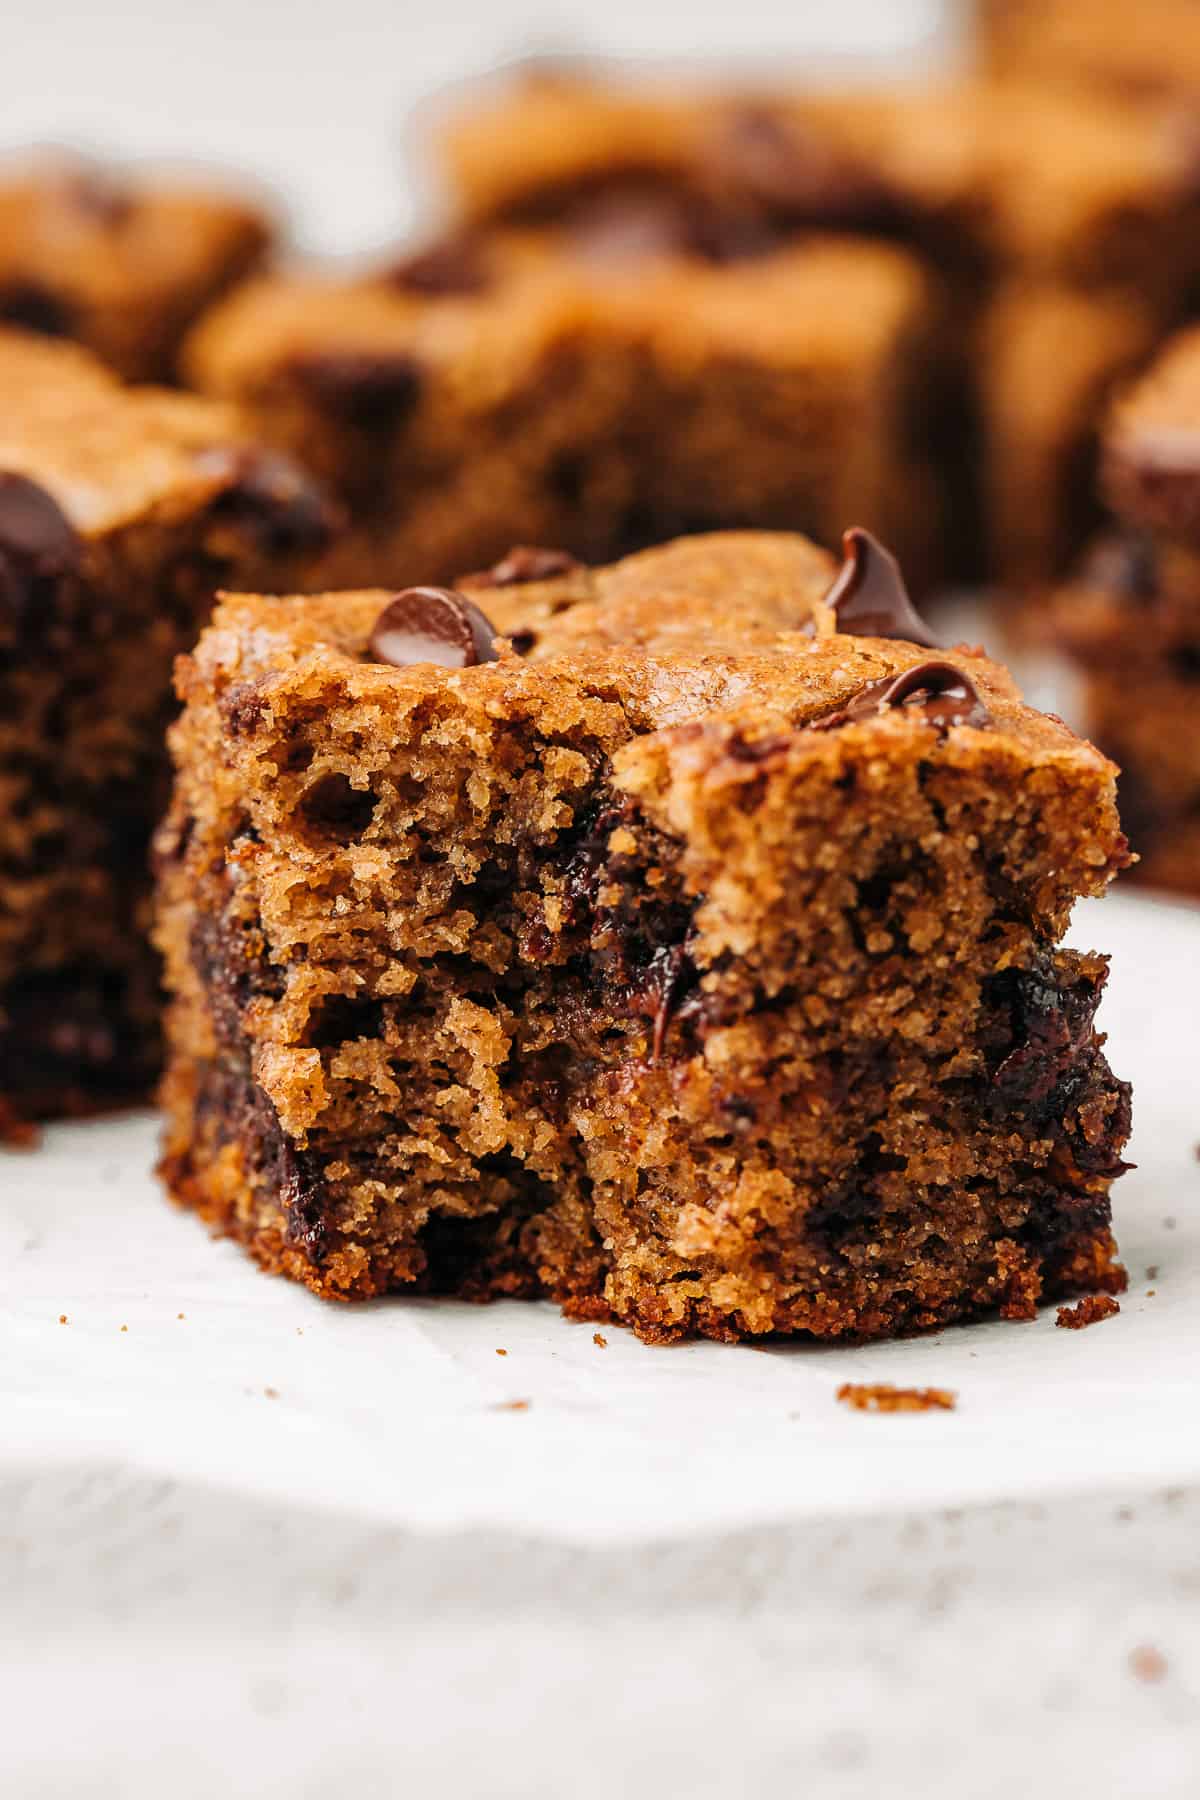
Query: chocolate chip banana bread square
{"x": 679, "y": 939}
{"x": 598, "y": 389}
{"x": 1059, "y": 228}
{"x": 988, "y": 176}
{"x": 121, "y": 512}
{"x": 1130, "y": 616}
{"x": 1050, "y": 357}
{"x": 122, "y": 263}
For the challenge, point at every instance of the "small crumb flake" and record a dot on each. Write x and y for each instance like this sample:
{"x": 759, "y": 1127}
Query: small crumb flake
{"x": 271, "y": 1393}
{"x": 1151, "y": 1271}
{"x": 882, "y": 1396}
{"x": 181, "y": 1315}
{"x": 124, "y": 1328}
{"x": 600, "y": 1341}
{"x": 62, "y": 1318}
{"x": 1147, "y": 1663}
{"x": 511, "y": 1406}
{"x": 1088, "y": 1311}
{"x": 502, "y": 1353}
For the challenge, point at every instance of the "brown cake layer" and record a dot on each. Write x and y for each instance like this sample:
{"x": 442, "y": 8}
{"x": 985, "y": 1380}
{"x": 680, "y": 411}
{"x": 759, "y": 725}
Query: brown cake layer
{"x": 121, "y": 512}
{"x": 695, "y": 961}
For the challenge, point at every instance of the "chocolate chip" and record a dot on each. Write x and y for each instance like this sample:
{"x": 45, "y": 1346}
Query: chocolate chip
{"x": 869, "y": 598}
{"x": 457, "y": 265}
{"x": 619, "y": 228}
{"x": 792, "y": 169}
{"x": 38, "y": 547}
{"x": 101, "y": 195}
{"x": 432, "y": 625}
{"x": 1122, "y": 565}
{"x": 269, "y": 500}
{"x": 35, "y": 309}
{"x": 372, "y": 390}
{"x": 940, "y": 693}
{"x": 526, "y": 562}
{"x": 627, "y": 226}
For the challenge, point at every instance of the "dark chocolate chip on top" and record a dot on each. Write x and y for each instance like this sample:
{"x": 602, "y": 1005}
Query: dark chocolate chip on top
{"x": 526, "y": 562}
{"x": 432, "y": 625}
{"x": 269, "y": 499}
{"x": 939, "y": 693}
{"x": 101, "y": 195}
{"x": 869, "y": 597}
{"x": 455, "y": 266}
{"x": 791, "y": 168}
{"x": 38, "y": 545}
{"x": 373, "y": 390}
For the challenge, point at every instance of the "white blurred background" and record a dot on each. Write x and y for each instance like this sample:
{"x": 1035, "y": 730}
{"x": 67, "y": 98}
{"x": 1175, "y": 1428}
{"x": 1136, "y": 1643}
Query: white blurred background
{"x": 315, "y": 97}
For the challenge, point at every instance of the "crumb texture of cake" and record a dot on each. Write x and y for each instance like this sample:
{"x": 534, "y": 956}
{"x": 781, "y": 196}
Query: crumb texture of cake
{"x": 1145, "y": 55}
{"x": 1088, "y": 1311}
{"x": 119, "y": 263}
{"x": 121, "y": 512}
{"x": 640, "y": 936}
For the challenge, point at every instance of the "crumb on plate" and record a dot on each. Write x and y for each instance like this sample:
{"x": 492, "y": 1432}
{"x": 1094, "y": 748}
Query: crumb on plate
{"x": 883, "y": 1396}
{"x": 1147, "y": 1663}
{"x": 1088, "y": 1311}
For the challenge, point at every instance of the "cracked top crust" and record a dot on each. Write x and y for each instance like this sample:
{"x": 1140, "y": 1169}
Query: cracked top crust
{"x": 730, "y": 629}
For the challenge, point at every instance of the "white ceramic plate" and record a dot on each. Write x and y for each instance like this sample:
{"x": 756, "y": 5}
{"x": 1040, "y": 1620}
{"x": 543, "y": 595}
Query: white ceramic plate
{"x": 396, "y": 1410}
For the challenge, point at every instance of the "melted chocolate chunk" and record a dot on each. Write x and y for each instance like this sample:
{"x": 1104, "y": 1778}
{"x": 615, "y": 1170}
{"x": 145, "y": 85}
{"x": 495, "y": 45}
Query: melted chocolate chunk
{"x": 38, "y": 548}
{"x": 455, "y": 266}
{"x": 527, "y": 562}
{"x": 940, "y": 693}
{"x": 372, "y": 390}
{"x": 269, "y": 500}
{"x": 432, "y": 625}
{"x": 34, "y": 308}
{"x": 869, "y": 598}
{"x": 790, "y": 168}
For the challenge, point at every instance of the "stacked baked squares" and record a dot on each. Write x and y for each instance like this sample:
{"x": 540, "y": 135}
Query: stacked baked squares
{"x": 1058, "y": 227}
{"x": 1131, "y": 614}
{"x": 679, "y": 939}
{"x": 121, "y": 513}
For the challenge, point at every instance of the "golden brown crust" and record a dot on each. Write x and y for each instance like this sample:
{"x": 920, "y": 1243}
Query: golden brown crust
{"x": 1150, "y": 55}
{"x": 122, "y": 265}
